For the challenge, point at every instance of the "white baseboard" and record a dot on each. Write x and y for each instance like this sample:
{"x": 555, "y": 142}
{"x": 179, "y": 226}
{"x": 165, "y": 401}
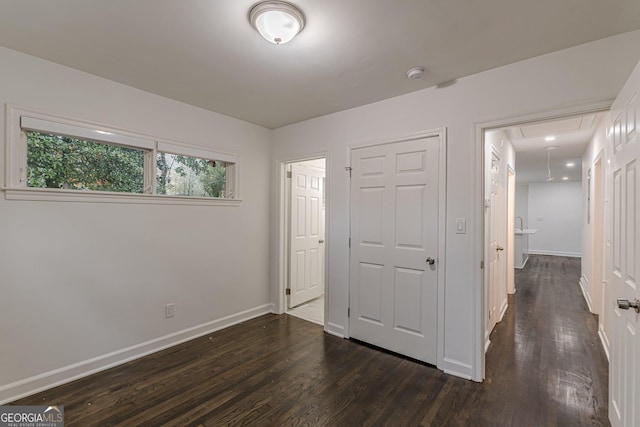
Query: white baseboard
{"x": 523, "y": 264}
{"x": 456, "y": 368}
{"x": 334, "y": 329}
{"x": 584, "y": 282}
{"x": 554, "y": 253}
{"x": 66, "y": 374}
{"x": 503, "y": 309}
{"x": 604, "y": 341}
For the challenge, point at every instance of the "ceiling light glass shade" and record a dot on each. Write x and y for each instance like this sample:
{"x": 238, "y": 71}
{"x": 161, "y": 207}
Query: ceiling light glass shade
{"x": 277, "y": 21}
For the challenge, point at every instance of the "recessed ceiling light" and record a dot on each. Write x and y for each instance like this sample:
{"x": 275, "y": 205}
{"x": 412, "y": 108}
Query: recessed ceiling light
{"x": 550, "y": 138}
{"x": 570, "y": 164}
{"x": 565, "y": 178}
{"x": 277, "y": 21}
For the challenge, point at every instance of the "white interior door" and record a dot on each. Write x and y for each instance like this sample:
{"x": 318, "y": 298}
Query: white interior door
{"x": 306, "y": 261}
{"x": 394, "y": 247}
{"x": 496, "y": 290}
{"x": 624, "y": 366}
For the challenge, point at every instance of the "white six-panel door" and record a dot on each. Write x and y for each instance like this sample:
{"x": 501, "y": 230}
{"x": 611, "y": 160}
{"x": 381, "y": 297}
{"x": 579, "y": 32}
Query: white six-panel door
{"x": 394, "y": 231}
{"x": 306, "y": 275}
{"x": 496, "y": 289}
{"x": 624, "y": 264}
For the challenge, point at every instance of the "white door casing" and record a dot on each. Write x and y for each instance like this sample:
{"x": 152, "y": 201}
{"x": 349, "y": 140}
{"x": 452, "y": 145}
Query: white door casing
{"x": 395, "y": 195}
{"x": 597, "y": 245}
{"x": 624, "y": 263}
{"x": 306, "y": 235}
{"x": 511, "y": 196}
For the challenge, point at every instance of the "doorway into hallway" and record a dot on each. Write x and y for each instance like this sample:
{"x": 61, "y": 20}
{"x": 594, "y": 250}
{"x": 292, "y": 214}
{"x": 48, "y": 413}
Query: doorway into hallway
{"x": 305, "y": 239}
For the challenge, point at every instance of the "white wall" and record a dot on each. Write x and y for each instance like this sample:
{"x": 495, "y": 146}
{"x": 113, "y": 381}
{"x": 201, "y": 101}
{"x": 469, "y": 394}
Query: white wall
{"x": 555, "y": 210}
{"x": 555, "y": 81}
{"x": 522, "y": 205}
{"x": 521, "y": 220}
{"x": 81, "y": 281}
{"x": 84, "y": 285}
{"x": 591, "y": 279}
{"x": 595, "y": 148}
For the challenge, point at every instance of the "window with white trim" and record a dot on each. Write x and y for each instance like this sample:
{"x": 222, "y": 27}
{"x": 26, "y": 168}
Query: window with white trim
{"x": 193, "y": 172}
{"x": 59, "y": 155}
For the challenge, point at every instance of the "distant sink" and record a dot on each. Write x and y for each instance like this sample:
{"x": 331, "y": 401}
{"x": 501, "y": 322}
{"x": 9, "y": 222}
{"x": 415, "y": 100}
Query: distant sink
{"x": 525, "y": 231}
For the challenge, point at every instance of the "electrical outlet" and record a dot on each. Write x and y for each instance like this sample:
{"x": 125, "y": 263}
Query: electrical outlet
{"x": 169, "y": 310}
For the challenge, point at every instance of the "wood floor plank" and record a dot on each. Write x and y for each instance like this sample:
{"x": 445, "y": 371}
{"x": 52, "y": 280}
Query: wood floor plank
{"x": 545, "y": 367}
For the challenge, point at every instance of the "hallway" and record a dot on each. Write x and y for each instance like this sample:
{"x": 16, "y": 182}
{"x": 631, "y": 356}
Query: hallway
{"x": 545, "y": 367}
{"x": 311, "y": 311}
{"x": 546, "y": 353}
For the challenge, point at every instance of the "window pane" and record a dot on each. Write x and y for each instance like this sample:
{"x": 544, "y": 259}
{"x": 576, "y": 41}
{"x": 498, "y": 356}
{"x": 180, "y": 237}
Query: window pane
{"x": 178, "y": 175}
{"x": 55, "y": 161}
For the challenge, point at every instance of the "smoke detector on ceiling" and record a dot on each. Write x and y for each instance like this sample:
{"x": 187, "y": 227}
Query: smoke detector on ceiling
{"x": 415, "y": 73}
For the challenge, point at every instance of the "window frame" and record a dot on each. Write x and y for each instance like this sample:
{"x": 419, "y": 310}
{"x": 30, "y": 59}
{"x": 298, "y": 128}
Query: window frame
{"x": 199, "y": 153}
{"x": 21, "y": 120}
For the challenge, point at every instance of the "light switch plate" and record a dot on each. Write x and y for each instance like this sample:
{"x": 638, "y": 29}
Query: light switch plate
{"x": 461, "y": 226}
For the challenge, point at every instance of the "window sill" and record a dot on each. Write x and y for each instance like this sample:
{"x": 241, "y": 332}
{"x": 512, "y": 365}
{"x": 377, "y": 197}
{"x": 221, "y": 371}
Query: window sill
{"x": 54, "y": 195}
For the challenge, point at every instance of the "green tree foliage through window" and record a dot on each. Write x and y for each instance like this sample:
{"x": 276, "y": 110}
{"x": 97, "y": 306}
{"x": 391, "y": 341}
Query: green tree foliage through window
{"x": 179, "y": 175}
{"x": 55, "y": 161}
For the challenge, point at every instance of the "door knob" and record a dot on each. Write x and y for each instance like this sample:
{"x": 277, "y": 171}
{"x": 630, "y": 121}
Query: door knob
{"x": 499, "y": 248}
{"x": 321, "y": 241}
{"x": 625, "y": 304}
{"x": 431, "y": 261}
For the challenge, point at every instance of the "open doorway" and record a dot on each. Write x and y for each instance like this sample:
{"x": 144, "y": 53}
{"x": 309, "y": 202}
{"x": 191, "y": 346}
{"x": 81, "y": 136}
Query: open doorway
{"x": 553, "y": 207}
{"x": 305, "y": 204}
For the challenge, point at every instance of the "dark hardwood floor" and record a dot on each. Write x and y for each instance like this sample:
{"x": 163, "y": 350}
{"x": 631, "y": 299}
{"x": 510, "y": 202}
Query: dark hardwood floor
{"x": 545, "y": 367}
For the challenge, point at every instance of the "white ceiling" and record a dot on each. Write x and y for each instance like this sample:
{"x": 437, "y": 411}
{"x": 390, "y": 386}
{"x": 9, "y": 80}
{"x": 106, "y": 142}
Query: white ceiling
{"x": 351, "y": 52}
{"x": 572, "y": 136}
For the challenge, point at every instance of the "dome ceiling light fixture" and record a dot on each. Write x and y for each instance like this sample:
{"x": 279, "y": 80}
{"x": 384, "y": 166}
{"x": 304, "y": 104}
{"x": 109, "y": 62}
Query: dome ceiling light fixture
{"x": 277, "y": 21}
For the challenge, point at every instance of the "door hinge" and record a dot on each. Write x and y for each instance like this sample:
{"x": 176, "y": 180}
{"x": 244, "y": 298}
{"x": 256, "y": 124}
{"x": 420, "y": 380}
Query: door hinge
{"x": 349, "y": 242}
{"x": 348, "y": 311}
{"x": 481, "y": 265}
{"x": 287, "y": 291}
{"x": 349, "y": 169}
{"x": 289, "y": 174}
